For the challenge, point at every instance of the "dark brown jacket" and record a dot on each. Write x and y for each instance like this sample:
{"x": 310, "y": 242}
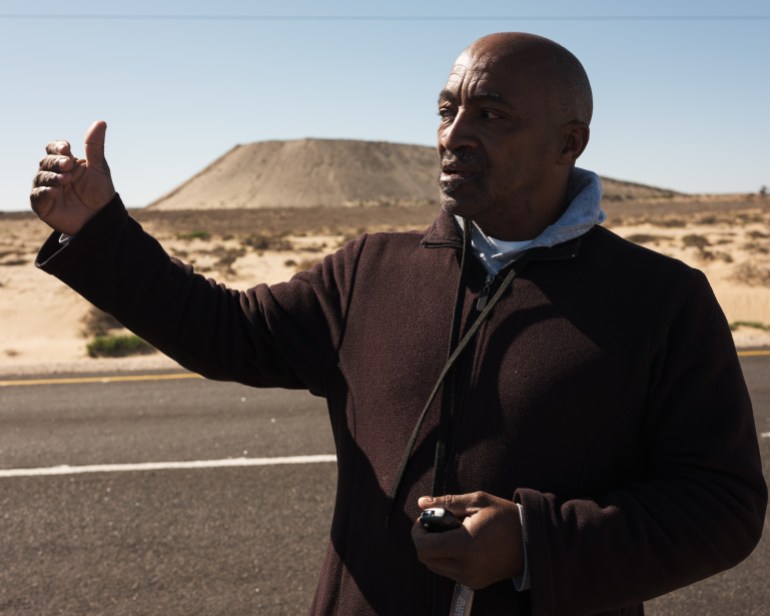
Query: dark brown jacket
{"x": 603, "y": 393}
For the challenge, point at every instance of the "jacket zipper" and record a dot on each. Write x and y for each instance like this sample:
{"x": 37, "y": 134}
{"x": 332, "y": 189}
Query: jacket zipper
{"x": 485, "y": 292}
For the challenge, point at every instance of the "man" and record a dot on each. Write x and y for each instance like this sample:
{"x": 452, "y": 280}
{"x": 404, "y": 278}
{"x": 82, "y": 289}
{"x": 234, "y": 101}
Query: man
{"x": 574, "y": 399}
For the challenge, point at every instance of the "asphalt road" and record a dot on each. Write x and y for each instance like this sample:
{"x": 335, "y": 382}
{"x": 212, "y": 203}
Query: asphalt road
{"x": 226, "y": 540}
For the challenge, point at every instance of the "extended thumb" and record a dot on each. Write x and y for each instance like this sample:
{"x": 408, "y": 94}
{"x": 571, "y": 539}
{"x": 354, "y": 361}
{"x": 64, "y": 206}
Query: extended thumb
{"x": 94, "y": 142}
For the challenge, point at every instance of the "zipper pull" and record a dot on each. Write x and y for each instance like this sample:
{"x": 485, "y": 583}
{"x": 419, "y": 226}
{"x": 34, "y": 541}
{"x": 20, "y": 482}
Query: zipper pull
{"x": 484, "y": 293}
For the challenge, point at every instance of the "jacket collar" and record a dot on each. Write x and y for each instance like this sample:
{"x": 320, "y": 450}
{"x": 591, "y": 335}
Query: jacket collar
{"x": 583, "y": 213}
{"x": 444, "y": 233}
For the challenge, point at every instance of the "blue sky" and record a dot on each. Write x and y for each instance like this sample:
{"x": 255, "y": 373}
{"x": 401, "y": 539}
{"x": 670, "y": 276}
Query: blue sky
{"x": 680, "y": 102}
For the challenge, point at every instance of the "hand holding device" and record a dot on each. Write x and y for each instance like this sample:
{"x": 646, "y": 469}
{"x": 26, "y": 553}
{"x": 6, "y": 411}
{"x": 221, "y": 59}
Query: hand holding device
{"x": 486, "y": 548}
{"x": 439, "y": 520}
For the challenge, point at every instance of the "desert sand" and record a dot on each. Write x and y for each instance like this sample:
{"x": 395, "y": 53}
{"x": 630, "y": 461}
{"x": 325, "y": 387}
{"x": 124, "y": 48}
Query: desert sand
{"x": 42, "y": 321}
{"x": 262, "y": 211}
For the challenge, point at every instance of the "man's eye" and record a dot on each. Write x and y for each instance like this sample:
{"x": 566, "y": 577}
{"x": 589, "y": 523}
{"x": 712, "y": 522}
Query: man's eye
{"x": 445, "y": 114}
{"x": 490, "y": 115}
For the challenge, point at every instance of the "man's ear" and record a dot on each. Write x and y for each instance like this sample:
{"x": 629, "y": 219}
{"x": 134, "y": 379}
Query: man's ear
{"x": 574, "y": 141}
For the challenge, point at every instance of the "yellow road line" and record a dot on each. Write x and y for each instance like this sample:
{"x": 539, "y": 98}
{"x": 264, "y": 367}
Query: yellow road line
{"x": 79, "y": 380}
{"x": 759, "y": 353}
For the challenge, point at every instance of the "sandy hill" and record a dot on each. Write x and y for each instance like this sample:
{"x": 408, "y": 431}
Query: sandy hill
{"x": 328, "y": 172}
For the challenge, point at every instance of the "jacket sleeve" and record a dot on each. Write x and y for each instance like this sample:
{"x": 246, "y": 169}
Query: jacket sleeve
{"x": 698, "y": 506}
{"x": 285, "y": 335}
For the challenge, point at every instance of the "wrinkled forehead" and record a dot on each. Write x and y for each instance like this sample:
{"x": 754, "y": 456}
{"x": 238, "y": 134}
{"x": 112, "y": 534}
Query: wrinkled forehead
{"x": 477, "y": 64}
{"x": 478, "y": 70}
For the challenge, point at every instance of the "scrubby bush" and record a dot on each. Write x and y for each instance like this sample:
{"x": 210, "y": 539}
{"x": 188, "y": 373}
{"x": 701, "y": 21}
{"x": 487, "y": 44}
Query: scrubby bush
{"x": 121, "y": 345}
{"x": 194, "y": 235}
{"x": 752, "y": 274}
{"x": 644, "y": 238}
{"x": 99, "y": 323}
{"x": 695, "y": 241}
{"x": 753, "y": 324}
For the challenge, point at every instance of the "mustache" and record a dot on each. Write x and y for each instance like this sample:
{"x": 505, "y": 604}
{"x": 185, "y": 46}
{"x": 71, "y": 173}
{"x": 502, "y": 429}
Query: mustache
{"x": 472, "y": 160}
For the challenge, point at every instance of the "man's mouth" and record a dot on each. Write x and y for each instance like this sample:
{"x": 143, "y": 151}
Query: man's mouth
{"x": 455, "y": 174}
{"x": 459, "y": 167}
{"x": 450, "y": 173}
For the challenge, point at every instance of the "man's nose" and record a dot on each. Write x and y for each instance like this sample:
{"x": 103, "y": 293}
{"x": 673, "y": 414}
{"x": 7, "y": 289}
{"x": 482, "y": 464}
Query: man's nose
{"x": 458, "y": 133}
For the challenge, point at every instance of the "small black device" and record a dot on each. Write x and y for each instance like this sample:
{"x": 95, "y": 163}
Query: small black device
{"x": 438, "y": 519}
{"x": 435, "y": 521}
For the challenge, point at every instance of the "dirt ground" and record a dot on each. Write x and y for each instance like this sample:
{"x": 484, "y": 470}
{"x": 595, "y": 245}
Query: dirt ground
{"x": 43, "y": 322}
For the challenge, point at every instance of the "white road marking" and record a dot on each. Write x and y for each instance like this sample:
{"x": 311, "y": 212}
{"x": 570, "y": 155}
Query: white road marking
{"x": 765, "y": 435}
{"x": 162, "y": 466}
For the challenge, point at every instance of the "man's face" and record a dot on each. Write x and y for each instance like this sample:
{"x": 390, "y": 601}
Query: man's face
{"x": 498, "y": 143}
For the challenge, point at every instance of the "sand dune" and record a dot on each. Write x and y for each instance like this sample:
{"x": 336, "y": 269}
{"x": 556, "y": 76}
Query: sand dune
{"x": 330, "y": 173}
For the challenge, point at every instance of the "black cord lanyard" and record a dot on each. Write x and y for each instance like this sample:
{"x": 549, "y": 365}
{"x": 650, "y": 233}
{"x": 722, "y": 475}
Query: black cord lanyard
{"x": 453, "y": 356}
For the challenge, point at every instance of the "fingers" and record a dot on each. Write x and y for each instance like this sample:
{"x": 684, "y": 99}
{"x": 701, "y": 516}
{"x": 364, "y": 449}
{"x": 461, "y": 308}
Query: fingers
{"x": 433, "y": 547}
{"x": 440, "y": 545}
{"x": 56, "y": 163}
{"x": 58, "y": 147}
{"x": 59, "y": 160}
{"x": 460, "y": 505}
{"x": 67, "y": 191}
{"x": 487, "y": 548}
{"x": 54, "y": 172}
{"x": 444, "y": 553}
{"x": 42, "y": 200}
{"x": 446, "y": 567}
{"x": 51, "y": 179}
{"x": 94, "y": 142}
{"x": 56, "y": 168}
{"x": 46, "y": 188}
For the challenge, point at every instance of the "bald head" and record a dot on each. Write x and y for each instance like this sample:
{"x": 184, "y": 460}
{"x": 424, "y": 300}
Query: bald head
{"x": 559, "y": 73}
{"x": 513, "y": 119}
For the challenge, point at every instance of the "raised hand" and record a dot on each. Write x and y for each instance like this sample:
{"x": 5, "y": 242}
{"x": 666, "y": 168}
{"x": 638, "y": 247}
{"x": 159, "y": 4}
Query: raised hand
{"x": 67, "y": 191}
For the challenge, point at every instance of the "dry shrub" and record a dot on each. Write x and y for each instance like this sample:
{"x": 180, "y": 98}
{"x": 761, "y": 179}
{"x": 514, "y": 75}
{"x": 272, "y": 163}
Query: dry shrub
{"x": 725, "y": 256}
{"x": 717, "y": 256}
{"x": 227, "y": 257}
{"x": 756, "y": 248}
{"x": 645, "y": 238}
{"x": 100, "y": 327}
{"x": 307, "y": 264}
{"x": 123, "y": 345}
{"x": 99, "y": 323}
{"x": 670, "y": 223}
{"x": 695, "y": 241}
{"x": 749, "y": 217}
{"x": 752, "y": 324}
{"x": 261, "y": 241}
{"x": 13, "y": 257}
{"x": 751, "y": 274}
{"x": 197, "y": 234}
